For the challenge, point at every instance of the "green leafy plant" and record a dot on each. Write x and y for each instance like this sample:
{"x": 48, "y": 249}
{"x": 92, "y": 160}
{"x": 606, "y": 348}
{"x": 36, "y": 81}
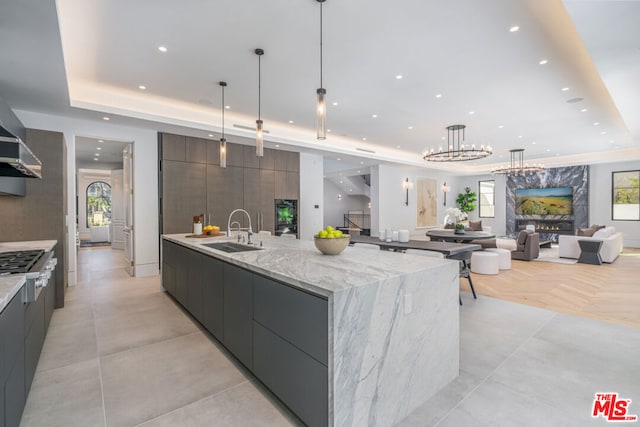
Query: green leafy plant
{"x": 466, "y": 201}
{"x": 459, "y": 227}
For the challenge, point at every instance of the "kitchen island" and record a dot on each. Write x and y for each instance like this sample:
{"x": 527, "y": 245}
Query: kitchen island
{"x": 362, "y": 338}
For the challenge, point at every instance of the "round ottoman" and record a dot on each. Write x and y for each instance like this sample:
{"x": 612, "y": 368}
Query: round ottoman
{"x": 483, "y": 262}
{"x": 504, "y": 257}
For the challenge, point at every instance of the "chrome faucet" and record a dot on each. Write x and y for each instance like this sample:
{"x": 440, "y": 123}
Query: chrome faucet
{"x": 249, "y": 229}
{"x": 231, "y": 229}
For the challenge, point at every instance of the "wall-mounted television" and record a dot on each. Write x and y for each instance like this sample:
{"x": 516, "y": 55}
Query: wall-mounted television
{"x": 544, "y": 201}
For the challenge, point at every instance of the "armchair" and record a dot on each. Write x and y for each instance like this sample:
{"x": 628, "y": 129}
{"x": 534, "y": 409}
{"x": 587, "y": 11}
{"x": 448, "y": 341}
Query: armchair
{"x": 527, "y": 246}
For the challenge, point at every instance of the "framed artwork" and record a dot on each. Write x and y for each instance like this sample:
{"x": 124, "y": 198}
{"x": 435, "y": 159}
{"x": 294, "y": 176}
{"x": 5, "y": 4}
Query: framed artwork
{"x": 426, "y": 202}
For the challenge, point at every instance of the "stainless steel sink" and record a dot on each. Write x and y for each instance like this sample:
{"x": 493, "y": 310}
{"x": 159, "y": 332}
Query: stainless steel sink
{"x": 230, "y": 247}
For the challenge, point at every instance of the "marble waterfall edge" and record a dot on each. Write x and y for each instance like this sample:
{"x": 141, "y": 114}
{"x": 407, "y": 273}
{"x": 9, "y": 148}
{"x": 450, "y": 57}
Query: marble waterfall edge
{"x": 387, "y": 362}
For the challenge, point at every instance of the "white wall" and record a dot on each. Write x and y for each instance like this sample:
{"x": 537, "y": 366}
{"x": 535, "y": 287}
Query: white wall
{"x": 145, "y": 181}
{"x": 388, "y": 197}
{"x": 600, "y": 189}
{"x": 334, "y": 209}
{"x": 311, "y": 195}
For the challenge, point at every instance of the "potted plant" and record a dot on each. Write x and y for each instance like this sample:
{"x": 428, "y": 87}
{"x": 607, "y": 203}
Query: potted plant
{"x": 466, "y": 201}
{"x": 459, "y": 228}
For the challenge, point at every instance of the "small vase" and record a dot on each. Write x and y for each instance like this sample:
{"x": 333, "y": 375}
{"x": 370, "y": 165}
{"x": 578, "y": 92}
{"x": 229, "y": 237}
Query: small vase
{"x": 459, "y": 231}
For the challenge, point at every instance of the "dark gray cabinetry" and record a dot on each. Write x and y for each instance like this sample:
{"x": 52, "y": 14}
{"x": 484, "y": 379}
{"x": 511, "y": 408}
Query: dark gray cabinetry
{"x": 173, "y": 147}
{"x": 196, "y": 150}
{"x": 34, "y": 338}
{"x": 12, "y": 324}
{"x": 3, "y": 346}
{"x": 195, "y": 284}
{"x": 266, "y": 196}
{"x": 213, "y": 296}
{"x": 238, "y": 313}
{"x": 183, "y": 195}
{"x": 252, "y": 197}
{"x": 224, "y": 192}
{"x": 168, "y": 267}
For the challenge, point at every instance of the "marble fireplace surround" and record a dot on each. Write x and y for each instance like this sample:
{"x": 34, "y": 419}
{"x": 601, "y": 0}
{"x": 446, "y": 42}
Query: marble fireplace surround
{"x": 576, "y": 177}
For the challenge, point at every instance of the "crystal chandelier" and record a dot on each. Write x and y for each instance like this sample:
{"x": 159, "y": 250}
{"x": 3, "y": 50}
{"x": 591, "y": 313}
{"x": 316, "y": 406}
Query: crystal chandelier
{"x": 517, "y": 166}
{"x": 456, "y": 150}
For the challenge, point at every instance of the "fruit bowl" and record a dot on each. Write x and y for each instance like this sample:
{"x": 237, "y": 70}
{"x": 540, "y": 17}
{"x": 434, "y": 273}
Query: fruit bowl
{"x": 331, "y": 246}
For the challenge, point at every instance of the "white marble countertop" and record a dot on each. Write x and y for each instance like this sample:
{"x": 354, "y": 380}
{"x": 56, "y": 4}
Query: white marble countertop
{"x": 299, "y": 263}
{"x": 46, "y": 245}
{"x": 9, "y": 286}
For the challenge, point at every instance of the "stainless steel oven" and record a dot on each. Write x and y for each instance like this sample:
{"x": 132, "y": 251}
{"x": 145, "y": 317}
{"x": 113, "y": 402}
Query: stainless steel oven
{"x": 37, "y": 265}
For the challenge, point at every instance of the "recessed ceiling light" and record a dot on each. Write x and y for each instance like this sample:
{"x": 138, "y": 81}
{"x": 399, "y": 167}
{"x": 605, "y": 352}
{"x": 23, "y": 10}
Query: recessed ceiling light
{"x": 329, "y": 130}
{"x": 100, "y": 140}
{"x": 98, "y": 148}
{"x": 472, "y": 112}
{"x": 162, "y": 49}
{"x": 277, "y": 145}
{"x": 364, "y": 139}
{"x": 351, "y": 189}
{"x": 335, "y": 103}
{"x": 375, "y": 116}
{"x": 410, "y": 127}
{"x": 106, "y": 118}
{"x": 438, "y": 95}
{"x": 547, "y": 150}
{"x": 358, "y": 171}
{"x": 611, "y": 141}
{"x": 584, "y": 110}
{"x": 339, "y": 158}
{"x": 596, "y": 124}
{"x": 543, "y": 62}
{"x": 442, "y": 138}
{"x": 519, "y": 136}
{"x": 142, "y": 87}
{"x": 564, "y": 89}
{"x": 533, "y": 143}
{"x": 514, "y": 29}
{"x": 291, "y": 121}
{"x": 227, "y": 107}
{"x": 362, "y": 163}
{"x": 399, "y": 77}
{"x": 95, "y": 160}
{"x": 97, "y": 154}
{"x": 603, "y": 133}
{"x": 397, "y": 146}
{"x": 500, "y": 126}
{"x": 210, "y": 135}
{"x": 340, "y": 182}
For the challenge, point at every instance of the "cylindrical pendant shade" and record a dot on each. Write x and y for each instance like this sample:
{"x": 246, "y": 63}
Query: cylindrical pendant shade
{"x": 223, "y": 153}
{"x": 259, "y": 140}
{"x": 321, "y": 114}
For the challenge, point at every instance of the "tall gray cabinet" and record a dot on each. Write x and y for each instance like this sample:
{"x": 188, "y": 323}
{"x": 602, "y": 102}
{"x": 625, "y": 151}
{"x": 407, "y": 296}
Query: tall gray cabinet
{"x": 192, "y": 182}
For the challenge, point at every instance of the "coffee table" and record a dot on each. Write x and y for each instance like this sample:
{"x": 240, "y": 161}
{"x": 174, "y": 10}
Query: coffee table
{"x": 545, "y": 243}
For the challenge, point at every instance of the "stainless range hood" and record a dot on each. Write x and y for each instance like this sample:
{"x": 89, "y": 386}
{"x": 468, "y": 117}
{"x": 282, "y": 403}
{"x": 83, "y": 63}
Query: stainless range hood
{"x": 16, "y": 160}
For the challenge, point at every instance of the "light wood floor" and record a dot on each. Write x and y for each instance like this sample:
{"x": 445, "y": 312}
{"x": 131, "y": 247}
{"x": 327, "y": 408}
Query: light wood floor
{"x": 608, "y": 292}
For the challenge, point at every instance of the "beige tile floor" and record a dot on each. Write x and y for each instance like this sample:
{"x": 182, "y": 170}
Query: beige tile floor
{"x": 122, "y": 353}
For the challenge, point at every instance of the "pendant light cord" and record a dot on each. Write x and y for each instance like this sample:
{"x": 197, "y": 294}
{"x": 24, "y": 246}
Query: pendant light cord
{"x": 259, "y": 85}
{"x": 321, "y": 45}
{"x": 222, "y": 112}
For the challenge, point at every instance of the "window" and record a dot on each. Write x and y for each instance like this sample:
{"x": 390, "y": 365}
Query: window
{"x": 487, "y": 199}
{"x": 626, "y": 196}
{"x": 98, "y": 204}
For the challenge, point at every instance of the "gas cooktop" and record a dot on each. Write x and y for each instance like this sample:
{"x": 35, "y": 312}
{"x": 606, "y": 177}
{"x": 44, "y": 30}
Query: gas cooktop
{"x": 18, "y": 262}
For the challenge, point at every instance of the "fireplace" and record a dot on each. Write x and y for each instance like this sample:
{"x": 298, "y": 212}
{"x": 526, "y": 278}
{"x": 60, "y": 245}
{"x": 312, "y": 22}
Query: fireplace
{"x": 549, "y": 229}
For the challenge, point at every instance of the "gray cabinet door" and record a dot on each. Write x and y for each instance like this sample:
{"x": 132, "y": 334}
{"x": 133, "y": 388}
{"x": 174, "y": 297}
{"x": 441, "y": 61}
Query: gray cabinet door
{"x": 33, "y": 342}
{"x": 251, "y": 196}
{"x": 14, "y": 392}
{"x": 280, "y": 161}
{"x": 280, "y": 185}
{"x": 266, "y": 195}
{"x": 293, "y": 161}
{"x": 183, "y": 195}
{"x": 180, "y": 263}
{"x": 213, "y": 297}
{"x": 224, "y": 193}
{"x": 238, "y": 313}
{"x": 235, "y": 155}
{"x": 195, "y": 285}
{"x": 250, "y": 158}
{"x": 173, "y": 147}
{"x": 196, "y": 150}
{"x": 168, "y": 267}
{"x": 268, "y": 161}
{"x": 293, "y": 185}
{"x": 13, "y": 316}
{"x": 213, "y": 151}
{"x": 296, "y": 316}
{"x": 300, "y": 381}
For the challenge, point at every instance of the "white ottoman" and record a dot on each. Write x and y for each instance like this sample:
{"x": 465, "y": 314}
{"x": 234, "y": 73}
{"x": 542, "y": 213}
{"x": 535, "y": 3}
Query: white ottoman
{"x": 483, "y": 262}
{"x": 504, "y": 257}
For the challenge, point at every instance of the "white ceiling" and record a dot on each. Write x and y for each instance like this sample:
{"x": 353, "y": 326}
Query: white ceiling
{"x": 94, "y": 153}
{"x": 462, "y": 49}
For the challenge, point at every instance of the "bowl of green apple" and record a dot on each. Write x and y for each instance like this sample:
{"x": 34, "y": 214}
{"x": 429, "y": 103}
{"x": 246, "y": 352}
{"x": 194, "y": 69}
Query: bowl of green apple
{"x": 331, "y": 241}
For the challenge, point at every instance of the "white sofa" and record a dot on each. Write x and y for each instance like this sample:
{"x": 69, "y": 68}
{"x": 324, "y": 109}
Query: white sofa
{"x": 612, "y": 242}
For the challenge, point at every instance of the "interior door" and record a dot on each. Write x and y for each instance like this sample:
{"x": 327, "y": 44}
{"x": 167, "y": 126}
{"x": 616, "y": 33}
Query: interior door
{"x": 117, "y": 209}
{"x": 127, "y": 185}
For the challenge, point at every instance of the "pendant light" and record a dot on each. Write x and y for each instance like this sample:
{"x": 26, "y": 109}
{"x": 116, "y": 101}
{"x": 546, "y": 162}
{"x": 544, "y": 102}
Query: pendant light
{"x": 456, "y": 150}
{"x": 259, "y": 140}
{"x": 321, "y": 108}
{"x": 223, "y": 142}
{"x": 517, "y": 166}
